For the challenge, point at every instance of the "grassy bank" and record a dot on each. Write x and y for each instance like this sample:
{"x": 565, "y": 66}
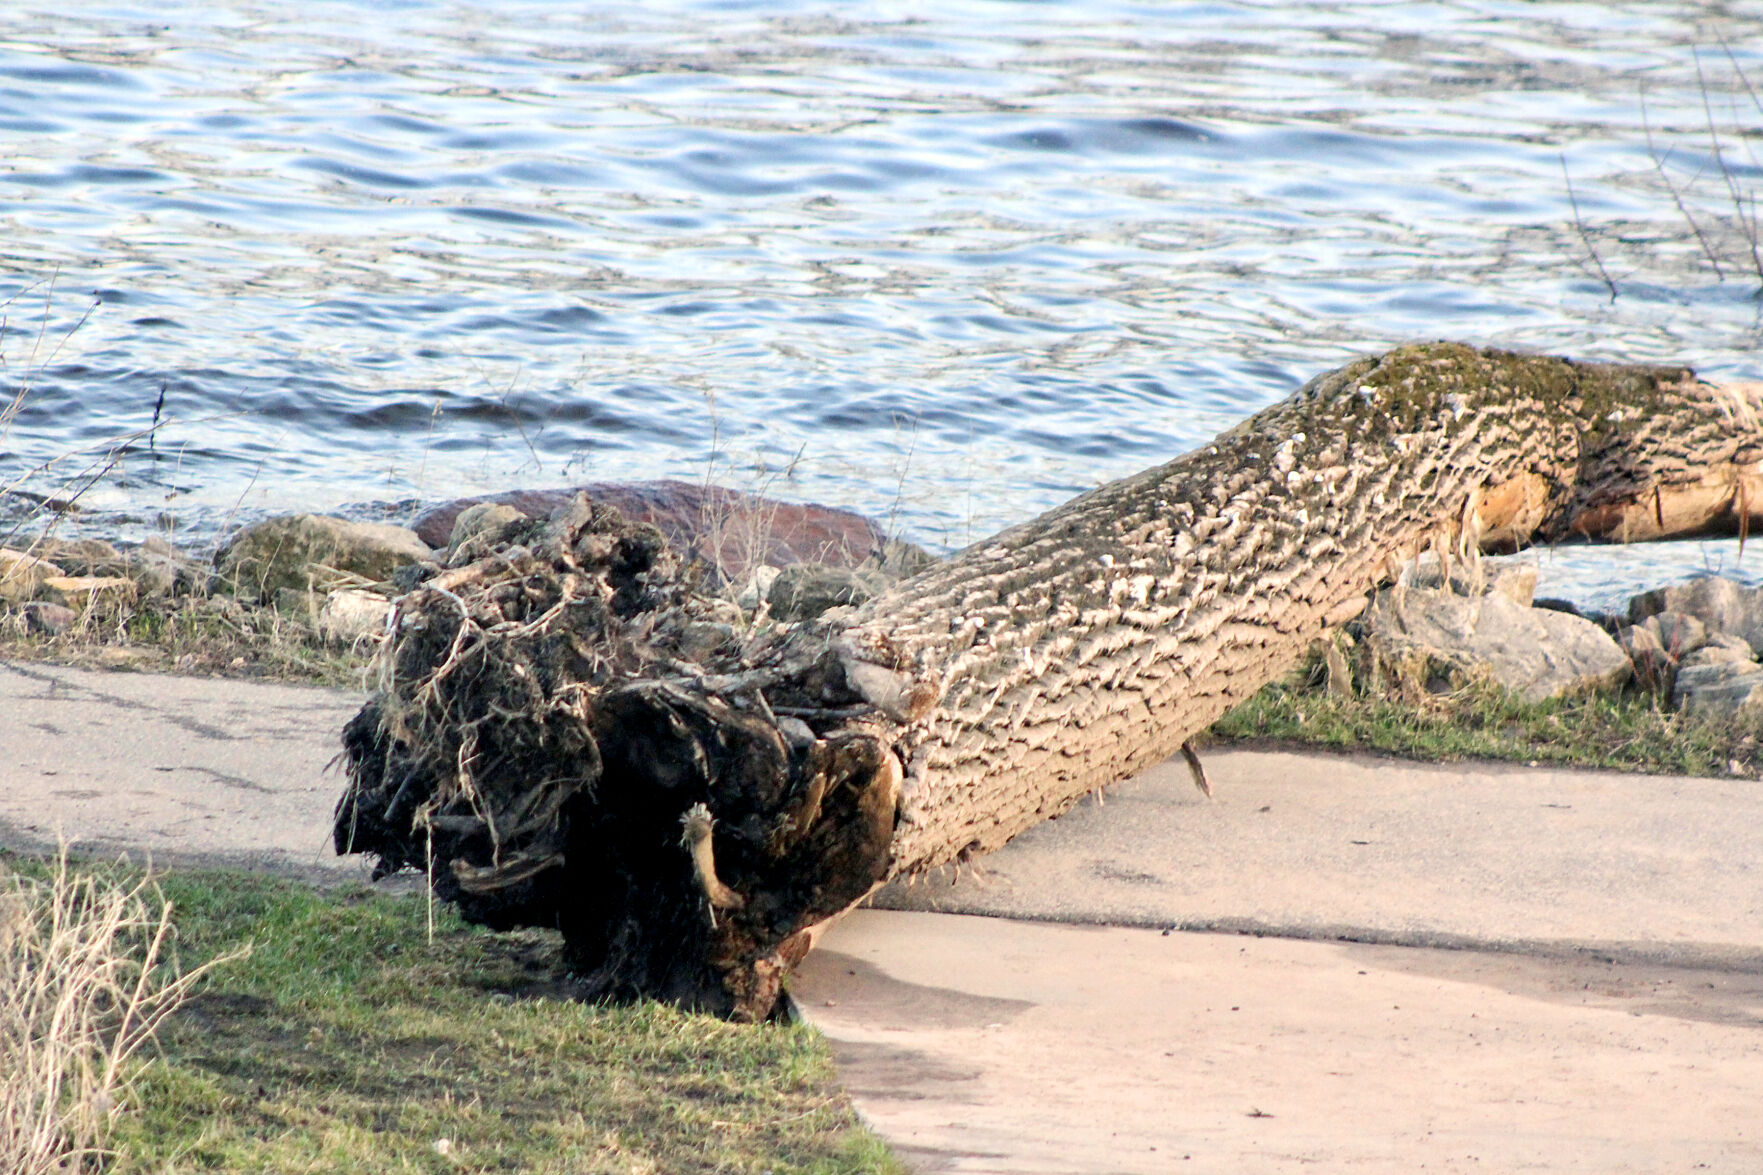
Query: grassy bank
{"x": 350, "y": 1041}
{"x": 205, "y": 636}
{"x": 1633, "y": 730}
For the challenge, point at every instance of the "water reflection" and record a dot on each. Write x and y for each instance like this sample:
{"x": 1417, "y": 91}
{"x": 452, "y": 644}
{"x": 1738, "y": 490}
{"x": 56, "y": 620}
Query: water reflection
{"x": 964, "y": 263}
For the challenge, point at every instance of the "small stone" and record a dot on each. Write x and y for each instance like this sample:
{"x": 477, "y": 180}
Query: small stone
{"x": 804, "y": 591}
{"x": 83, "y": 556}
{"x": 352, "y": 614}
{"x": 85, "y": 591}
{"x": 120, "y": 657}
{"x": 50, "y": 619}
{"x": 478, "y": 530}
{"x": 1679, "y": 632}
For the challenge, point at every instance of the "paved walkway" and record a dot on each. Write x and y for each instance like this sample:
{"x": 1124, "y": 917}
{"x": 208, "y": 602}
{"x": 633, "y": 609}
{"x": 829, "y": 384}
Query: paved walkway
{"x": 1483, "y": 969}
{"x": 192, "y": 770}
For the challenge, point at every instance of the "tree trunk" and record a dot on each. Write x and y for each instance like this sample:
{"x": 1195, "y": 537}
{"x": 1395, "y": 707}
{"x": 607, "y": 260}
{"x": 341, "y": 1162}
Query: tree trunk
{"x": 980, "y": 697}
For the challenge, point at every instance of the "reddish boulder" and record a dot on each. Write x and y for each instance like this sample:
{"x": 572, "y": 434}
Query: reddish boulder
{"x": 727, "y": 529}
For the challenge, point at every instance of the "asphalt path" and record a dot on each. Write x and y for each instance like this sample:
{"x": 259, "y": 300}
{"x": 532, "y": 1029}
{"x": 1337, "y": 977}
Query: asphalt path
{"x": 1340, "y": 963}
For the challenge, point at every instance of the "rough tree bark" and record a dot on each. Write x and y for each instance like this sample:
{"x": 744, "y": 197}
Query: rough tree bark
{"x": 697, "y": 812}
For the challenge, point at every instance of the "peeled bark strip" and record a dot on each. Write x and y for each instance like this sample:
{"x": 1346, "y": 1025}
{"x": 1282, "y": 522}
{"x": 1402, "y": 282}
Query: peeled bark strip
{"x": 542, "y": 738}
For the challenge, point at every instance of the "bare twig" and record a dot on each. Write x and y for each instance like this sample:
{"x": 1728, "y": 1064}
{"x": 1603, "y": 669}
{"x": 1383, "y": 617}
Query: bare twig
{"x": 1584, "y": 236}
{"x": 1708, "y": 249}
{"x": 1745, "y": 218}
{"x": 85, "y": 983}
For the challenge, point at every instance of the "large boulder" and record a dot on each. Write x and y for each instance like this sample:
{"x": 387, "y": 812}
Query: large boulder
{"x": 1717, "y": 690}
{"x": 1431, "y": 639}
{"x": 1721, "y": 605}
{"x": 22, "y": 574}
{"x": 313, "y": 552}
{"x": 729, "y": 531}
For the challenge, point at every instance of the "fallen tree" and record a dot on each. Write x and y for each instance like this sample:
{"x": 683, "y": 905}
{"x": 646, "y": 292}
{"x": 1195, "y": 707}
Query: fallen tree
{"x": 569, "y": 733}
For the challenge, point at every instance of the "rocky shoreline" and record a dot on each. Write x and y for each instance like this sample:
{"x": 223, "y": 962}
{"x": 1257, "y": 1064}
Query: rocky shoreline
{"x": 333, "y": 582}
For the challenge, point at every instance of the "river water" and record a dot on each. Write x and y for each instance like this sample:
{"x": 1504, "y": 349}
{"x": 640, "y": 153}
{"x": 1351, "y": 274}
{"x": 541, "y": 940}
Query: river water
{"x": 947, "y": 264}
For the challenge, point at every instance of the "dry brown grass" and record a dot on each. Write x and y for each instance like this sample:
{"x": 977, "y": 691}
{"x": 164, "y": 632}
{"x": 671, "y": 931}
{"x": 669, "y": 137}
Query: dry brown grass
{"x": 86, "y": 978}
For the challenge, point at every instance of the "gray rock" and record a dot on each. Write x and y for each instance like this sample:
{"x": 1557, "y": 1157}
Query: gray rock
{"x": 308, "y": 552}
{"x": 1728, "y": 689}
{"x": 89, "y": 591}
{"x": 22, "y": 573}
{"x": 1737, "y": 646}
{"x": 802, "y": 591}
{"x": 479, "y": 528}
{"x": 49, "y": 619}
{"x": 757, "y": 587}
{"x": 1428, "y": 639}
{"x": 83, "y": 556}
{"x": 161, "y": 570}
{"x": 352, "y": 614}
{"x": 1516, "y": 581}
{"x": 1721, "y": 650}
{"x": 1720, "y": 604}
{"x": 1653, "y": 666}
{"x": 1679, "y": 632}
{"x": 297, "y": 605}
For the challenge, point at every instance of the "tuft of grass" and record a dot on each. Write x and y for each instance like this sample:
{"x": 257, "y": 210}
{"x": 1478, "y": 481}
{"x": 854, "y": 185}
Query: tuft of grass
{"x": 85, "y": 982}
{"x": 1629, "y": 731}
{"x": 350, "y": 1040}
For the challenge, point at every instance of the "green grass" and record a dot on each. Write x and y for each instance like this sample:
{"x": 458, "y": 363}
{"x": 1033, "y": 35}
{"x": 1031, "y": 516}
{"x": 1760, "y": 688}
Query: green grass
{"x": 210, "y": 636}
{"x": 348, "y": 1041}
{"x": 1629, "y": 731}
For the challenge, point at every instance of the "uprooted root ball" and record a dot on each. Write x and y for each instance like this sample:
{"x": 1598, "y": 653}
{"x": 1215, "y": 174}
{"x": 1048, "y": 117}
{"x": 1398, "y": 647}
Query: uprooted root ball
{"x": 549, "y": 719}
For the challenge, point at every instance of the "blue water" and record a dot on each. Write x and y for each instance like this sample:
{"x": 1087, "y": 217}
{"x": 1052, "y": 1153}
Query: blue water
{"x": 947, "y": 264}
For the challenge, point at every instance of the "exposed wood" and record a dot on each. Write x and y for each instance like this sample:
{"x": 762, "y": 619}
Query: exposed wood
{"x": 554, "y": 728}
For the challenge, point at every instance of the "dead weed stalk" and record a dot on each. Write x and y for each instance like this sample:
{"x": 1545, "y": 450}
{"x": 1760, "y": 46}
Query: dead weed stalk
{"x": 86, "y": 978}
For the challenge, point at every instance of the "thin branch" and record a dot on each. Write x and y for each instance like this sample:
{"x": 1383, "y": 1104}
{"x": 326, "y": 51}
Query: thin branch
{"x": 1584, "y": 236}
{"x": 1676, "y": 197}
{"x": 1747, "y": 222}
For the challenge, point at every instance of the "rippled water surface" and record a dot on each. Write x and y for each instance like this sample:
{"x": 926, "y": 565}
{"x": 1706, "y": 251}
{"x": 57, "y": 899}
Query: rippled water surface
{"x": 945, "y": 263}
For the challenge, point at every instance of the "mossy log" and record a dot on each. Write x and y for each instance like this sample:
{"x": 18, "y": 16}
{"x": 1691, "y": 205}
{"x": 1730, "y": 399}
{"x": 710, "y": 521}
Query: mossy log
{"x": 570, "y": 734}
